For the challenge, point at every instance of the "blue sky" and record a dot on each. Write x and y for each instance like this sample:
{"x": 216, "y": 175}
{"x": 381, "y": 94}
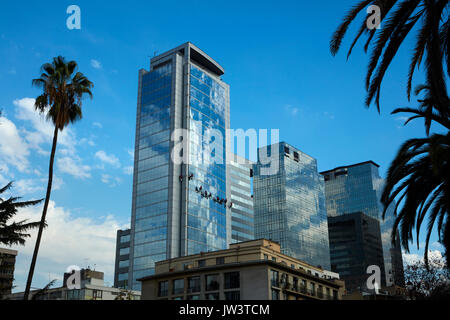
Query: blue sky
{"x": 277, "y": 62}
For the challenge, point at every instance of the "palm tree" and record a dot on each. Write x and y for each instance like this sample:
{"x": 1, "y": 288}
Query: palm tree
{"x": 63, "y": 89}
{"x": 42, "y": 292}
{"x": 419, "y": 175}
{"x": 14, "y": 233}
{"x": 398, "y": 19}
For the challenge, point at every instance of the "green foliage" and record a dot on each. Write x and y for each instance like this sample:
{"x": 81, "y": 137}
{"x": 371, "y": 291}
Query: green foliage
{"x": 14, "y": 233}
{"x": 432, "y": 282}
{"x": 44, "y": 290}
{"x": 63, "y": 89}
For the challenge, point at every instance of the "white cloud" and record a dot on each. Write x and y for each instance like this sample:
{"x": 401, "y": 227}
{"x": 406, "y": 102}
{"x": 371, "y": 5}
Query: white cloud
{"x": 28, "y": 186}
{"x": 96, "y": 64}
{"x": 412, "y": 258}
{"x": 402, "y": 119}
{"x": 68, "y": 240}
{"x": 98, "y": 125}
{"x": 73, "y": 167}
{"x": 437, "y": 245}
{"x": 293, "y": 111}
{"x": 109, "y": 159}
{"x": 89, "y": 142}
{"x": 57, "y": 183}
{"x": 128, "y": 170}
{"x": 13, "y": 149}
{"x": 43, "y": 129}
{"x": 131, "y": 154}
{"x": 111, "y": 181}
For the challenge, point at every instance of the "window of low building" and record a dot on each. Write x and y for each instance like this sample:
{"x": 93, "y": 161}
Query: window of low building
{"x": 232, "y": 280}
{"x": 275, "y": 295}
{"x": 212, "y": 282}
{"x": 194, "y": 284}
{"x": 163, "y": 289}
{"x": 212, "y": 296}
{"x": 178, "y": 286}
{"x": 233, "y": 295}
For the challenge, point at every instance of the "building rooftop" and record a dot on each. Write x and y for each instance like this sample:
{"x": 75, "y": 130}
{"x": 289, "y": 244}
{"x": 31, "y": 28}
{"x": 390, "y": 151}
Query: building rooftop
{"x": 196, "y": 55}
{"x": 351, "y": 166}
{"x": 8, "y": 251}
{"x": 240, "y": 250}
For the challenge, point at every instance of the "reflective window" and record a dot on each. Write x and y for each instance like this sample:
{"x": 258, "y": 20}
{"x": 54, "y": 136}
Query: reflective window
{"x": 163, "y": 289}
{"x": 178, "y": 286}
{"x": 194, "y": 284}
{"x": 212, "y": 282}
{"x": 232, "y": 280}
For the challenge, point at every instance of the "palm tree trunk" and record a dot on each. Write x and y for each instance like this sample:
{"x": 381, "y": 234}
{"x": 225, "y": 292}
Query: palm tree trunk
{"x": 44, "y": 214}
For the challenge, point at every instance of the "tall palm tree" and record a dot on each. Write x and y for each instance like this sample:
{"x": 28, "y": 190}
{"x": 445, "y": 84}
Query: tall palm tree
{"x": 14, "y": 233}
{"x": 430, "y": 18}
{"x": 61, "y": 100}
{"x": 419, "y": 175}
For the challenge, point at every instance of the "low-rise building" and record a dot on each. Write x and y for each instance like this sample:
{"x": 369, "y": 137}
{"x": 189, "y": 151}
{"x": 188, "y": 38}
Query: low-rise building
{"x": 92, "y": 287}
{"x": 253, "y": 270}
{"x": 7, "y": 264}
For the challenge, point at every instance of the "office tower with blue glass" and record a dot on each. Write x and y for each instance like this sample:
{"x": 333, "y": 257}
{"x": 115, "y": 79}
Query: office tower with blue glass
{"x": 179, "y": 209}
{"x": 289, "y": 205}
{"x": 355, "y": 244}
{"x": 358, "y": 188}
{"x": 241, "y": 186}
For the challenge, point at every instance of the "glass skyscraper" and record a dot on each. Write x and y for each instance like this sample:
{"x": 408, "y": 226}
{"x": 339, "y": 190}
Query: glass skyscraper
{"x": 358, "y": 188}
{"x": 179, "y": 209}
{"x": 241, "y": 186}
{"x": 355, "y": 244}
{"x": 290, "y": 205}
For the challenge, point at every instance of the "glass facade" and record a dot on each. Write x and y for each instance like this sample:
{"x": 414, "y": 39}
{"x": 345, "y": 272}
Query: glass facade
{"x": 241, "y": 184}
{"x": 290, "y": 206}
{"x": 355, "y": 244}
{"x": 170, "y": 217}
{"x": 206, "y": 218}
{"x": 358, "y": 188}
{"x": 151, "y": 188}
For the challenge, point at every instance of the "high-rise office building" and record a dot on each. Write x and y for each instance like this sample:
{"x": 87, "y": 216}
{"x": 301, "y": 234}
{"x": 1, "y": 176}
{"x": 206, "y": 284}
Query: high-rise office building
{"x": 358, "y": 188}
{"x": 122, "y": 264}
{"x": 290, "y": 205}
{"x": 241, "y": 186}
{"x": 179, "y": 209}
{"x": 355, "y": 244}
